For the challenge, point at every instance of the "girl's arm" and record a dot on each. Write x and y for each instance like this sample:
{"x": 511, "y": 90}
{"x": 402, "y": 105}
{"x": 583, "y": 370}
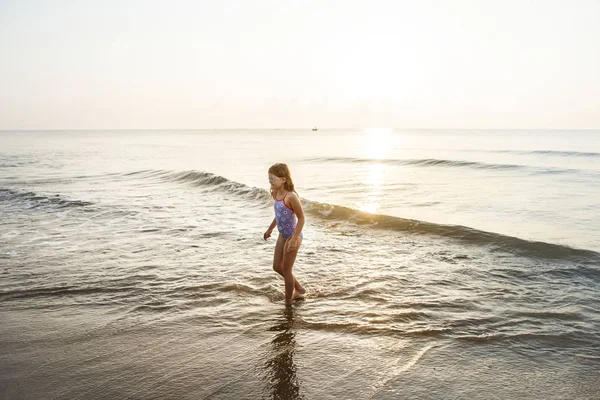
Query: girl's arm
{"x": 267, "y": 234}
{"x": 297, "y": 207}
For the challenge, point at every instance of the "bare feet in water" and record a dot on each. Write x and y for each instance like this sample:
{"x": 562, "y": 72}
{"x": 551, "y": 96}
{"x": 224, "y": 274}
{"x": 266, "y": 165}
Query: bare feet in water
{"x": 298, "y": 294}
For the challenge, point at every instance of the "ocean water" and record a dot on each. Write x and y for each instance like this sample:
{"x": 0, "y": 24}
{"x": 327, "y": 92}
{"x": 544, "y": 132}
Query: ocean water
{"x": 438, "y": 264}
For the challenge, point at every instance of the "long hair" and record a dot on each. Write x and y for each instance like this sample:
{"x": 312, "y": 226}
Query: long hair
{"x": 281, "y": 170}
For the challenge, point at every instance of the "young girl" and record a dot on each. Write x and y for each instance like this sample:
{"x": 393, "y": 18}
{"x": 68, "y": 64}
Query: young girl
{"x": 287, "y": 207}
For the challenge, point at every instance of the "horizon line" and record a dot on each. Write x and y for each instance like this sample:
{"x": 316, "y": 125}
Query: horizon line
{"x": 295, "y": 129}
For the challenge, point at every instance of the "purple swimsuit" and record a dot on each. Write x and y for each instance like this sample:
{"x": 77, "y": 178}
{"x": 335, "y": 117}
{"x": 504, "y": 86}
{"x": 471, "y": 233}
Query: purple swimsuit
{"x": 286, "y": 219}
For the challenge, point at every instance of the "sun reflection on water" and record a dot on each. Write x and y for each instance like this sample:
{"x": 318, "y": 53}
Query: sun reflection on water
{"x": 377, "y": 143}
{"x": 373, "y": 182}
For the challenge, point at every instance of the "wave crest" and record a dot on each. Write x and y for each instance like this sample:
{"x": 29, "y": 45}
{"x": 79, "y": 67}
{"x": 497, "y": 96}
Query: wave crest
{"x": 434, "y": 162}
{"x": 215, "y": 182}
{"x": 34, "y": 200}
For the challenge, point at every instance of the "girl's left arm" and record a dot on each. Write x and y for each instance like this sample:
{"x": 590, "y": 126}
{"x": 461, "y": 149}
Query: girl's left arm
{"x": 297, "y": 207}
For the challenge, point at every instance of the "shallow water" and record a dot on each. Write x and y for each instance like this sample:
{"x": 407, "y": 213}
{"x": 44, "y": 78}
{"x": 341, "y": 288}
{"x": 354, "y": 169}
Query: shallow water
{"x": 458, "y": 265}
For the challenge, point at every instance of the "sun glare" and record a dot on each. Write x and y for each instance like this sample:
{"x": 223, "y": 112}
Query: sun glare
{"x": 378, "y": 132}
{"x": 377, "y": 142}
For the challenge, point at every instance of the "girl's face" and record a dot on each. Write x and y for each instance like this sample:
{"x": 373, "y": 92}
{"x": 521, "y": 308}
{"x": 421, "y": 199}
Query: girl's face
{"x": 276, "y": 181}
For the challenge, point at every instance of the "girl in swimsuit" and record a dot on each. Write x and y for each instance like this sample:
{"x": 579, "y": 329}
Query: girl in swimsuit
{"x": 289, "y": 219}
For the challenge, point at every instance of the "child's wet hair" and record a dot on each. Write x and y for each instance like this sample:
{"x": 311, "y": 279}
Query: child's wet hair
{"x": 281, "y": 170}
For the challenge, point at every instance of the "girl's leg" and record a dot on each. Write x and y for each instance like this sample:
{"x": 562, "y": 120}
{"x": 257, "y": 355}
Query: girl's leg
{"x": 290, "y": 281}
{"x": 278, "y": 262}
{"x": 278, "y": 255}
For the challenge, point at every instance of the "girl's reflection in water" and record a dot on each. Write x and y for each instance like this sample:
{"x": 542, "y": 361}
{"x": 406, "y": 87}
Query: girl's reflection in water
{"x": 280, "y": 368}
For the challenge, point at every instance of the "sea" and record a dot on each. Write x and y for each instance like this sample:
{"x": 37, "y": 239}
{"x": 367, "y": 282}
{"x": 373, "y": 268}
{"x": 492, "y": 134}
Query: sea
{"x": 439, "y": 264}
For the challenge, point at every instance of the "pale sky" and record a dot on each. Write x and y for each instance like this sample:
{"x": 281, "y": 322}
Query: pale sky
{"x": 149, "y": 64}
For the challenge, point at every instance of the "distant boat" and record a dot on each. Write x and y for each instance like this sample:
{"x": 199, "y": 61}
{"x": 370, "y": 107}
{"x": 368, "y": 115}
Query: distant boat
{"x": 314, "y": 129}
